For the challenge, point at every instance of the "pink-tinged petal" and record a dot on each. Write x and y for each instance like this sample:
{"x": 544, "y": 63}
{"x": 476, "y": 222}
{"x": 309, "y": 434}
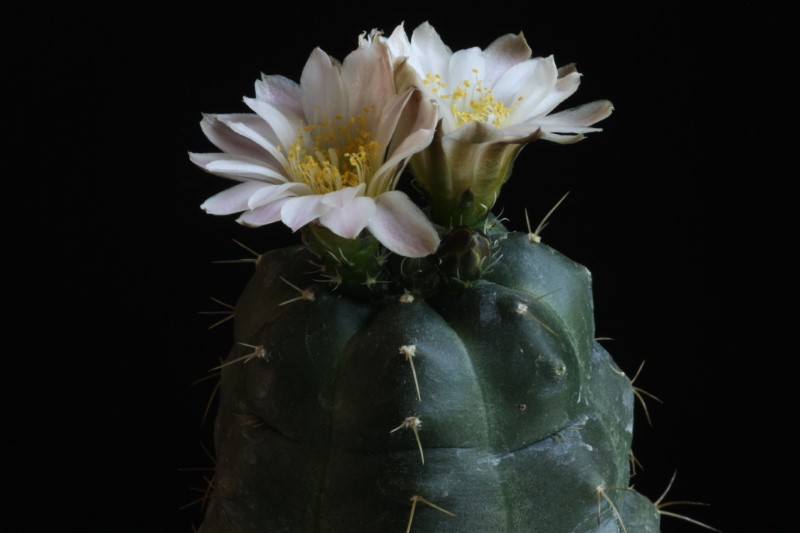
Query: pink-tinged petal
{"x": 390, "y": 116}
{"x": 342, "y": 197}
{"x": 275, "y": 192}
{"x": 285, "y": 128}
{"x": 532, "y": 80}
{"x": 429, "y": 54}
{"x": 577, "y": 117}
{"x": 235, "y": 167}
{"x": 263, "y": 215}
{"x": 260, "y": 133}
{"x": 280, "y": 91}
{"x": 349, "y": 220}
{"x": 504, "y": 53}
{"x": 406, "y": 76}
{"x": 233, "y": 200}
{"x": 228, "y": 140}
{"x": 324, "y": 93}
{"x": 367, "y": 73}
{"x": 300, "y": 210}
{"x": 465, "y": 65}
{"x": 402, "y": 227}
{"x": 384, "y": 177}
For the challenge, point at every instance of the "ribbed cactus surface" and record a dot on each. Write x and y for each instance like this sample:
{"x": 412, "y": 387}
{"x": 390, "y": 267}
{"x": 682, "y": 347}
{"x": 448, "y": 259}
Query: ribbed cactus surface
{"x": 487, "y": 409}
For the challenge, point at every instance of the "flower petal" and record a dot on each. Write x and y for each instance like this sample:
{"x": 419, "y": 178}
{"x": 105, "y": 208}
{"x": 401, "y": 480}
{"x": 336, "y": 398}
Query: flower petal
{"x": 402, "y": 227}
{"x": 429, "y": 54}
{"x": 258, "y": 131}
{"x": 504, "y": 53}
{"x": 532, "y": 79}
{"x": 285, "y": 128}
{"x": 564, "y": 88}
{"x": 384, "y": 177}
{"x": 398, "y": 43}
{"x": 390, "y": 116}
{"x": 562, "y": 139}
{"x": 323, "y": 90}
{"x": 280, "y": 91}
{"x": 234, "y": 199}
{"x": 367, "y": 74}
{"x": 413, "y": 132}
{"x": 349, "y": 220}
{"x": 464, "y": 66}
{"x": 226, "y": 139}
{"x": 264, "y": 215}
{"x": 275, "y": 192}
{"x": 342, "y": 197}
{"x": 300, "y": 210}
{"x": 570, "y": 120}
{"x": 238, "y": 168}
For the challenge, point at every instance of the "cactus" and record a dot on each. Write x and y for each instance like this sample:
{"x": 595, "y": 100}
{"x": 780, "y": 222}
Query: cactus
{"x": 410, "y": 370}
{"x": 488, "y": 410}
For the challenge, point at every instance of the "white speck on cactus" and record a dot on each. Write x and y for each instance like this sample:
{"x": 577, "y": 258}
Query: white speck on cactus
{"x": 406, "y": 298}
{"x": 408, "y": 352}
{"x": 414, "y": 424}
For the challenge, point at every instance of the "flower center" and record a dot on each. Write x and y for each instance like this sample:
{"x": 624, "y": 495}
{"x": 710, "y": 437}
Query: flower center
{"x": 471, "y": 101}
{"x": 333, "y": 153}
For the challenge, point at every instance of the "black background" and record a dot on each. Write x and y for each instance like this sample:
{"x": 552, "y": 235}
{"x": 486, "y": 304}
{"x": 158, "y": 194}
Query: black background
{"x": 118, "y": 217}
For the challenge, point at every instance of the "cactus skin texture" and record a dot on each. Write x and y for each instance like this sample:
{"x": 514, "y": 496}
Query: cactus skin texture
{"x": 526, "y": 422}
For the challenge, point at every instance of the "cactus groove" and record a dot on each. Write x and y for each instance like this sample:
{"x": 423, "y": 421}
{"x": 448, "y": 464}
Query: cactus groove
{"x": 490, "y": 410}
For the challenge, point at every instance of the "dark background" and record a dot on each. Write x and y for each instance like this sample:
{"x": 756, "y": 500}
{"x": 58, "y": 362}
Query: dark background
{"x": 118, "y": 211}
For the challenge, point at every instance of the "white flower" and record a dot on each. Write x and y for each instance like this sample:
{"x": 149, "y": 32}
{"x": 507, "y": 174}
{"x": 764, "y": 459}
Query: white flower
{"x": 328, "y": 150}
{"x": 501, "y": 86}
{"x": 491, "y": 103}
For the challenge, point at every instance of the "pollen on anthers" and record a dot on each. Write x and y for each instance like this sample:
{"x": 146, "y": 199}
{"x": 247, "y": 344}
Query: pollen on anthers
{"x": 471, "y": 101}
{"x": 334, "y": 153}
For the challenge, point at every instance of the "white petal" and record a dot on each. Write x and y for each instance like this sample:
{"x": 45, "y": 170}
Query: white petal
{"x": 428, "y": 53}
{"x": 235, "y": 167}
{"x": 564, "y": 88}
{"x": 342, "y": 197}
{"x": 228, "y": 140}
{"x": 349, "y": 220}
{"x": 263, "y": 215}
{"x": 276, "y": 192}
{"x": 260, "y": 133}
{"x": 562, "y": 139}
{"x": 280, "y": 91}
{"x": 300, "y": 210}
{"x": 398, "y": 42}
{"x": 285, "y": 128}
{"x": 573, "y": 119}
{"x": 323, "y": 89}
{"x": 233, "y": 200}
{"x": 402, "y": 227}
{"x": 532, "y": 79}
{"x": 462, "y": 66}
{"x": 504, "y": 53}
{"x": 367, "y": 74}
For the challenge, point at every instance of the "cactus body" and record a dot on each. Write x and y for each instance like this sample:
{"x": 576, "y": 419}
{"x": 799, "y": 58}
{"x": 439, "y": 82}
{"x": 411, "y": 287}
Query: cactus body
{"x": 525, "y": 421}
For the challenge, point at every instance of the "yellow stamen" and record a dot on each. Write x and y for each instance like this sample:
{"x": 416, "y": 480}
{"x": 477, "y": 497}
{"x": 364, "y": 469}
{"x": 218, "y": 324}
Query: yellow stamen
{"x": 339, "y": 155}
{"x": 472, "y": 101}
